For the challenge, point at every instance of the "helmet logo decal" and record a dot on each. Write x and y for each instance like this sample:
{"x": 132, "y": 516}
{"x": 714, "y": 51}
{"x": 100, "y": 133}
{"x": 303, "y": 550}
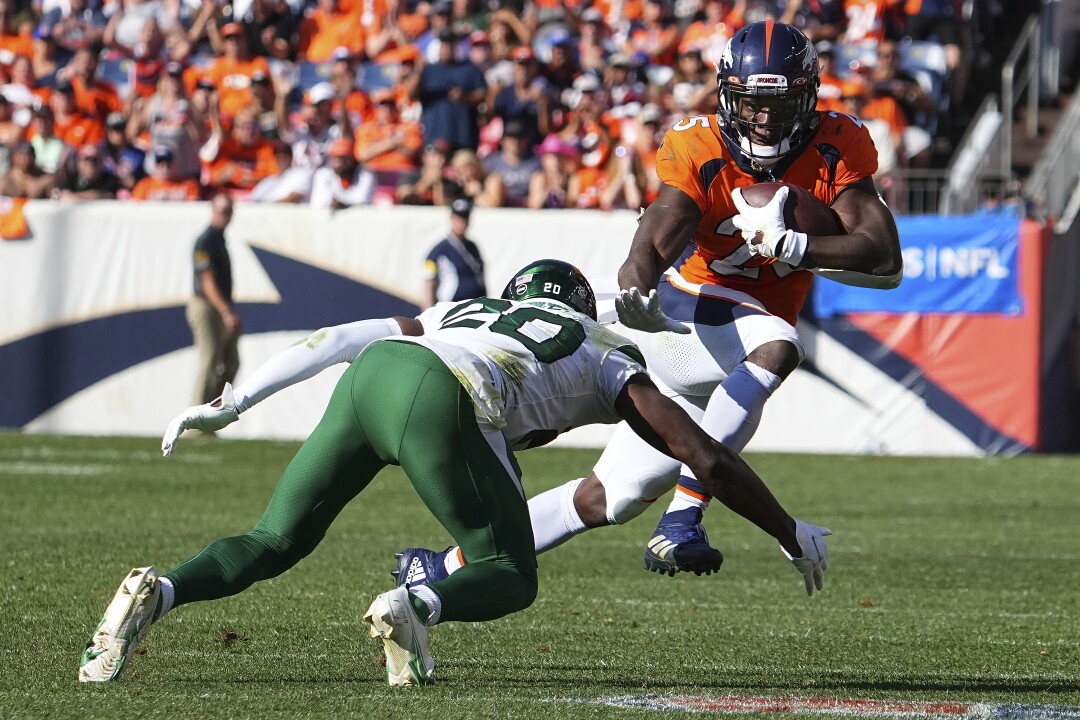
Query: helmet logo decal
{"x": 772, "y": 82}
{"x": 727, "y": 59}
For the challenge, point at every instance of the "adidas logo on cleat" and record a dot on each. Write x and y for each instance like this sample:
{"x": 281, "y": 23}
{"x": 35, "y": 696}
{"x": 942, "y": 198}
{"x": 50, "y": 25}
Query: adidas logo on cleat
{"x": 415, "y": 573}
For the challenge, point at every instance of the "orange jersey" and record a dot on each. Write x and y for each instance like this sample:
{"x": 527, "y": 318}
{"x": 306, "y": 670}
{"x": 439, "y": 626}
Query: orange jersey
{"x": 15, "y": 44}
{"x": 371, "y": 133}
{"x": 709, "y": 38}
{"x": 630, "y": 10}
{"x": 96, "y": 102}
{"x": 78, "y": 130}
{"x": 240, "y": 166}
{"x": 357, "y": 105}
{"x": 233, "y": 81}
{"x": 695, "y": 158}
{"x": 865, "y": 20}
{"x": 321, "y": 34}
{"x": 151, "y": 188}
{"x": 886, "y": 108}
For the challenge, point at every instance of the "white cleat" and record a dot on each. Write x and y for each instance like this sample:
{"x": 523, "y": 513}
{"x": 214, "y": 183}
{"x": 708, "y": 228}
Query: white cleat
{"x": 122, "y": 628}
{"x": 404, "y": 637}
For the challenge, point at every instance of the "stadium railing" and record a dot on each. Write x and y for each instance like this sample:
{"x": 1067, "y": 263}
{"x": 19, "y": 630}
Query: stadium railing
{"x": 1016, "y": 77}
{"x": 1053, "y": 188}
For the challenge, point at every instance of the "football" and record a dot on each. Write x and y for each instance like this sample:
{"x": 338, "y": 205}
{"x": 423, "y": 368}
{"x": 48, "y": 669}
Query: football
{"x": 802, "y": 211}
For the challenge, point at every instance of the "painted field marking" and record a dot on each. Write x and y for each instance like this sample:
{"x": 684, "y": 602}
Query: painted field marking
{"x": 853, "y": 707}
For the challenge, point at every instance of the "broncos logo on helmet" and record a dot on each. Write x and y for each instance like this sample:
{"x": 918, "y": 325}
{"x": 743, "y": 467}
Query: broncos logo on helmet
{"x": 768, "y": 81}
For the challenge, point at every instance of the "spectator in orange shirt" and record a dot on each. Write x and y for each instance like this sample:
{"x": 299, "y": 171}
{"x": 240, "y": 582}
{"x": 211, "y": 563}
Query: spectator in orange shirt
{"x": 391, "y": 33}
{"x": 646, "y": 143}
{"x": 26, "y": 84}
{"x": 348, "y": 98}
{"x": 617, "y": 14}
{"x": 605, "y": 178}
{"x": 12, "y": 42}
{"x": 658, "y": 36}
{"x": 710, "y": 34}
{"x": 96, "y": 98}
{"x": 162, "y": 183}
{"x": 239, "y": 158}
{"x": 328, "y": 28}
{"x": 386, "y": 145}
{"x": 72, "y": 125}
{"x": 831, "y": 88}
{"x": 231, "y": 73}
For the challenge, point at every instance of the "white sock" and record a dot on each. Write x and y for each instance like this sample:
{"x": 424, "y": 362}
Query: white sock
{"x": 454, "y": 560}
{"x": 734, "y": 410}
{"x": 429, "y": 598}
{"x": 168, "y": 596}
{"x": 554, "y": 517}
{"x": 732, "y": 417}
{"x": 685, "y": 499}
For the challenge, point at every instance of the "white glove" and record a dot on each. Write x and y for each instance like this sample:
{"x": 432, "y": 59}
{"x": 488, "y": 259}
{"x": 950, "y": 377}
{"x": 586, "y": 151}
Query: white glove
{"x": 815, "y": 555}
{"x": 765, "y": 231}
{"x": 210, "y": 417}
{"x": 634, "y": 312}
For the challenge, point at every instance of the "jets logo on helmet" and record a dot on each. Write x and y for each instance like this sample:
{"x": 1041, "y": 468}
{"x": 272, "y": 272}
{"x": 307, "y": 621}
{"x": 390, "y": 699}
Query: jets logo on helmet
{"x": 555, "y": 280}
{"x": 767, "y": 90}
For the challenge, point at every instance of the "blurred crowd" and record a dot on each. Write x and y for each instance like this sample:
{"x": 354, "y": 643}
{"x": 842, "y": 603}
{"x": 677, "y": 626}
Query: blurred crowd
{"x": 336, "y": 103}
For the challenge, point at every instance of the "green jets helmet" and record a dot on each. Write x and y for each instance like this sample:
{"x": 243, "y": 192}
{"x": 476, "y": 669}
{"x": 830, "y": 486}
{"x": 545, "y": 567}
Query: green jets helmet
{"x": 555, "y": 280}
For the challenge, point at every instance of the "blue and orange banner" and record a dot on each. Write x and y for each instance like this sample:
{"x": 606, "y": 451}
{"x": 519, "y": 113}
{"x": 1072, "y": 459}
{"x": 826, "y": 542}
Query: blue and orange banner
{"x": 964, "y": 264}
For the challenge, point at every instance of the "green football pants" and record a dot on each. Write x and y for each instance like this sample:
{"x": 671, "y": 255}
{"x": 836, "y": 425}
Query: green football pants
{"x": 397, "y": 404}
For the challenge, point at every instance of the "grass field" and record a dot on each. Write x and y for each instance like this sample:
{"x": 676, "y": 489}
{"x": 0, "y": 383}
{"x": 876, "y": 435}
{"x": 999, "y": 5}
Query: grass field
{"x": 951, "y": 580}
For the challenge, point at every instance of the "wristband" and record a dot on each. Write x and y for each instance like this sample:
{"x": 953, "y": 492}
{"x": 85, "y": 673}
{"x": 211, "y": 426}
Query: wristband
{"x": 794, "y": 248}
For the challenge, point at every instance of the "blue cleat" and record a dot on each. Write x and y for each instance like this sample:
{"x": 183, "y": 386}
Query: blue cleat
{"x": 419, "y": 566}
{"x": 680, "y": 544}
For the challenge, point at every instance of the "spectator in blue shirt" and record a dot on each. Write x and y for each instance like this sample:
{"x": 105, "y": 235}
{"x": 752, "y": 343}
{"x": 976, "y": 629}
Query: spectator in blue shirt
{"x": 449, "y": 92}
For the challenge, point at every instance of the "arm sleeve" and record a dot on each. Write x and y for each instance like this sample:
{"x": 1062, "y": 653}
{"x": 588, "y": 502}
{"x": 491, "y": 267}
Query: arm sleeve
{"x": 616, "y": 368}
{"x": 322, "y": 192}
{"x": 320, "y": 350}
{"x": 361, "y": 192}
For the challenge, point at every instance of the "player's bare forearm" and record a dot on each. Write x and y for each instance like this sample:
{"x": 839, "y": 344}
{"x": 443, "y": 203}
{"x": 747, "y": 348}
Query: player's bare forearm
{"x": 730, "y": 480}
{"x": 872, "y": 245}
{"x": 665, "y": 228}
{"x": 667, "y": 427}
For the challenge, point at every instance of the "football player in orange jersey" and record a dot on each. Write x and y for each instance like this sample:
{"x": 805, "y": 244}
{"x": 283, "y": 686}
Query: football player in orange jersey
{"x": 730, "y": 339}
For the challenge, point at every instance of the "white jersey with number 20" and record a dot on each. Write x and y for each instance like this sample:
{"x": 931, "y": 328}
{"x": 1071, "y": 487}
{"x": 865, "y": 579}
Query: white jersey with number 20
{"x": 535, "y": 369}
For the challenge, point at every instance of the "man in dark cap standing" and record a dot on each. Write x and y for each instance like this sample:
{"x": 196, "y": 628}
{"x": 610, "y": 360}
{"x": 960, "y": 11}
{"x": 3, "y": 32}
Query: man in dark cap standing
{"x": 454, "y": 269}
